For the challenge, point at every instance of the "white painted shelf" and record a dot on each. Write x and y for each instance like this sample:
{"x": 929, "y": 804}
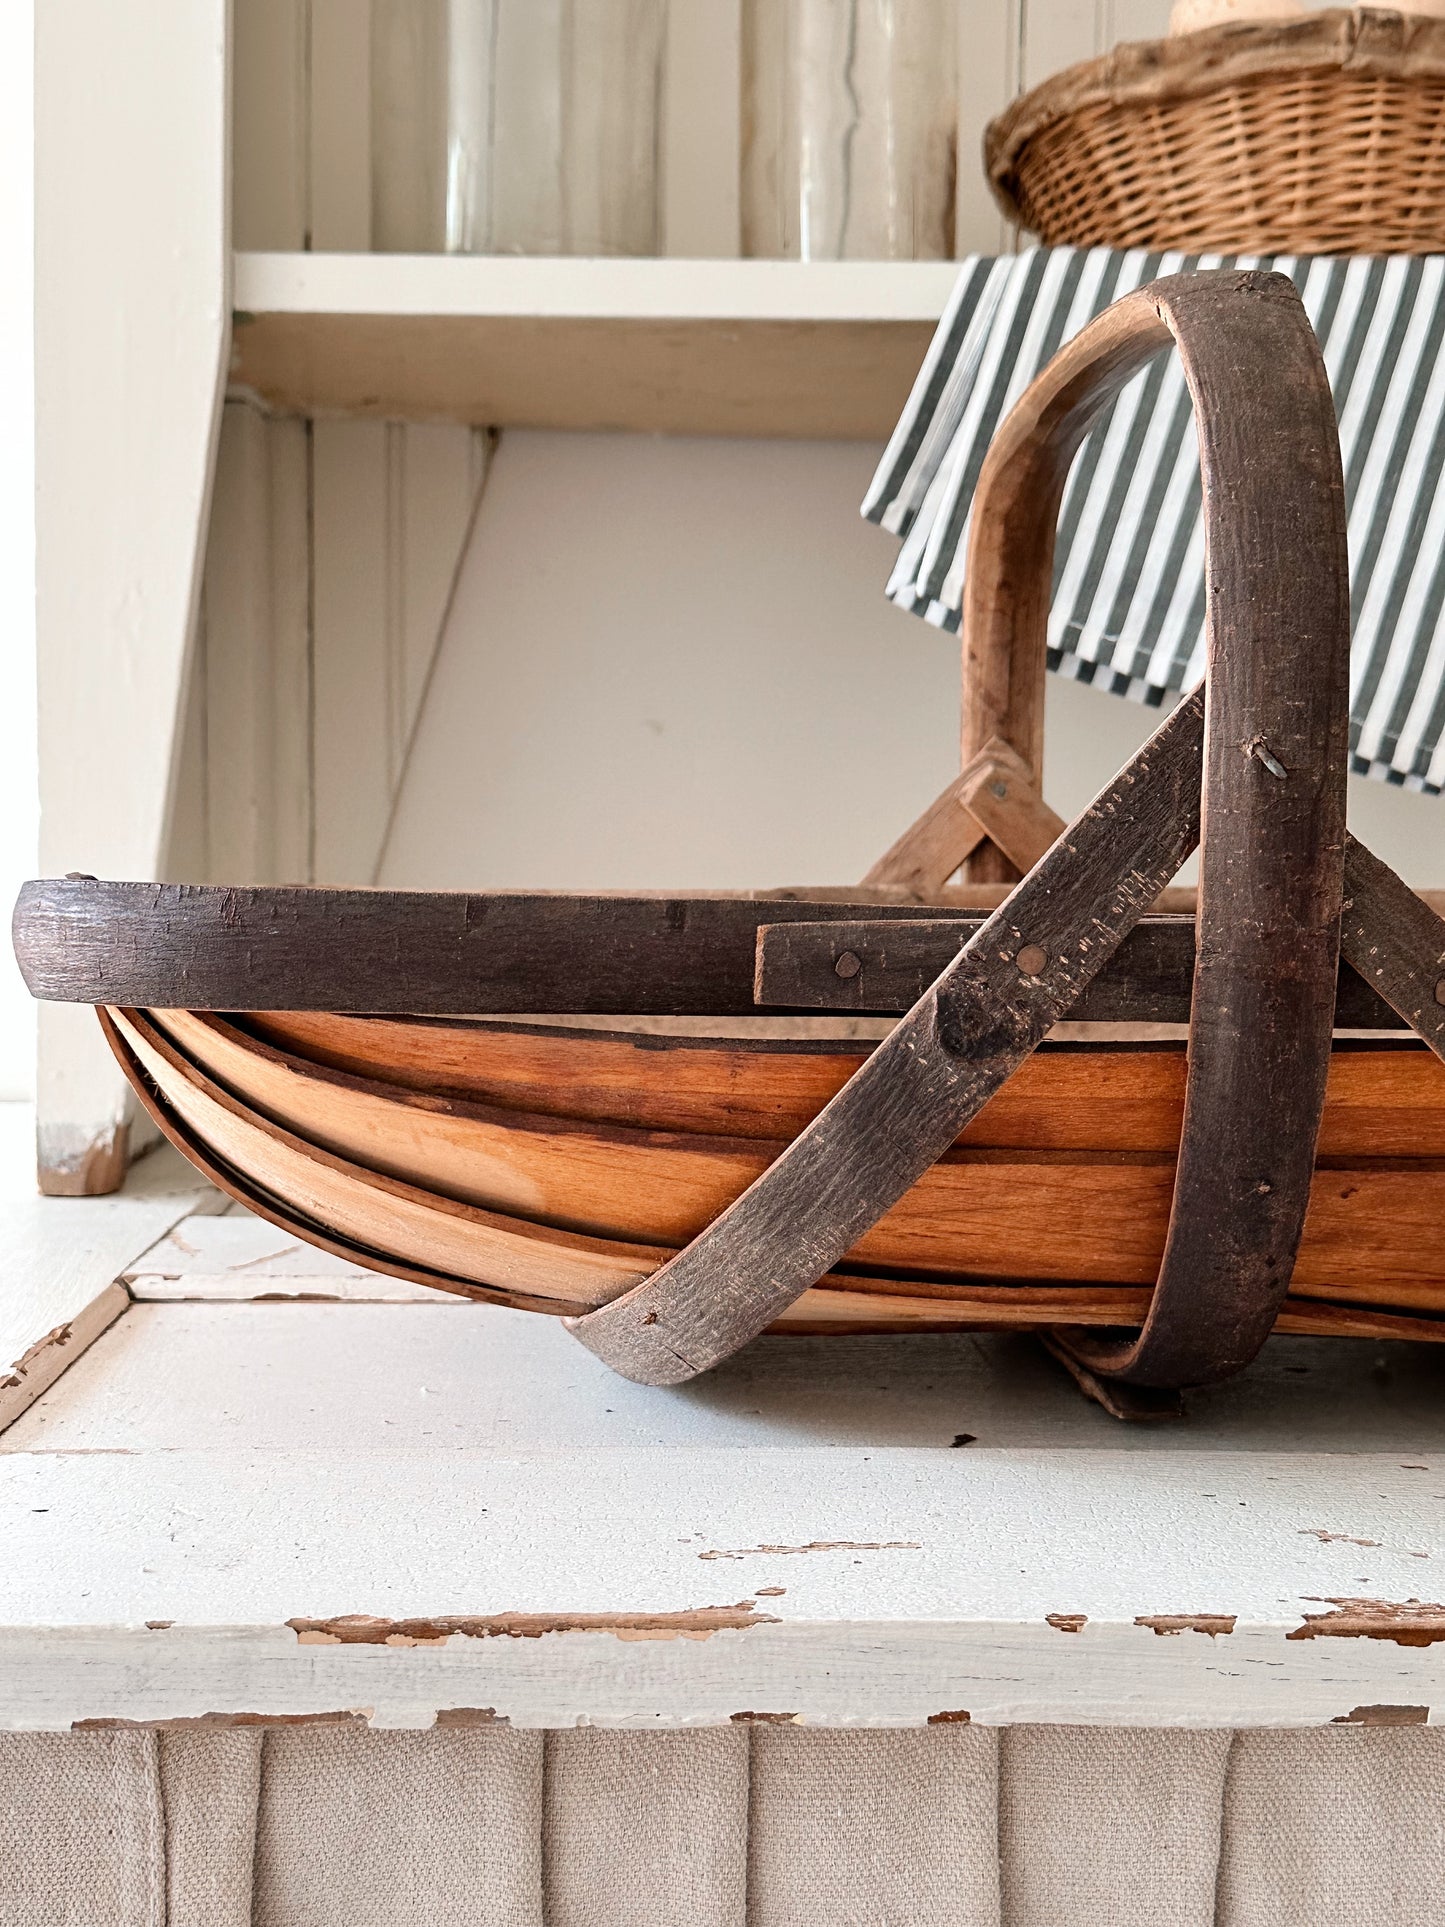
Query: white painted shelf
{"x": 405, "y": 1509}
{"x": 826, "y": 349}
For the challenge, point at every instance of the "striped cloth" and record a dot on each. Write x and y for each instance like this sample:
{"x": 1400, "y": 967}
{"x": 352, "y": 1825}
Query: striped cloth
{"x": 1128, "y": 604}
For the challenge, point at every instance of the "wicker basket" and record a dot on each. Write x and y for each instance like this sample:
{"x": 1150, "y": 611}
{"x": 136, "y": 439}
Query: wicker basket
{"x": 1319, "y": 136}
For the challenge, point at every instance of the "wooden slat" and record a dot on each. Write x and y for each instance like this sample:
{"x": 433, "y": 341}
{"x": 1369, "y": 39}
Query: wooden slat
{"x": 1004, "y": 1206}
{"x": 177, "y": 946}
{"x": 180, "y": 946}
{"x": 1039, "y": 1210}
{"x": 1396, "y": 942}
{"x": 1149, "y": 980}
{"x": 1384, "y": 1099}
{"x": 1003, "y": 797}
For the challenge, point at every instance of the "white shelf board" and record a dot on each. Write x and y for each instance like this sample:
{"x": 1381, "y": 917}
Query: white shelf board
{"x": 715, "y": 347}
{"x": 280, "y": 1509}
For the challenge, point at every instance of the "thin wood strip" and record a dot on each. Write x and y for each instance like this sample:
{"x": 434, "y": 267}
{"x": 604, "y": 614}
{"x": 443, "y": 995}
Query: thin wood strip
{"x": 1382, "y": 1099}
{"x": 1396, "y": 943}
{"x": 1003, "y": 796}
{"x": 896, "y": 960}
{"x": 976, "y": 1212}
{"x": 843, "y": 1304}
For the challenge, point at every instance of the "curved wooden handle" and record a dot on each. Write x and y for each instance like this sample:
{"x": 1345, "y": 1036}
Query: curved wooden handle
{"x": 1008, "y": 580}
{"x": 1270, "y": 894}
{"x": 1272, "y": 859}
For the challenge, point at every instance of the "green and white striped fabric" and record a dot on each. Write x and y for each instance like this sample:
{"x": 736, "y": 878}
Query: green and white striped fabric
{"x": 1128, "y": 606}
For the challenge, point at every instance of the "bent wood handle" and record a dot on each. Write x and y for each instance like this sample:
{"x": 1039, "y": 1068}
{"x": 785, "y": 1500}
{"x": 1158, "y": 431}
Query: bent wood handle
{"x": 1270, "y": 891}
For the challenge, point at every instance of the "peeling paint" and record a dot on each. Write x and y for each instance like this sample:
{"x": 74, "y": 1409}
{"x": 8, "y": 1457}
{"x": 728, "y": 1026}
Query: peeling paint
{"x": 766, "y": 1719}
{"x": 355, "y": 1716}
{"x": 959, "y": 1718}
{"x": 1067, "y": 1622}
{"x": 470, "y": 1716}
{"x": 820, "y": 1545}
{"x": 1167, "y": 1624}
{"x": 1334, "y": 1538}
{"x": 1383, "y": 1716}
{"x": 362, "y": 1629}
{"x": 1412, "y": 1622}
{"x": 53, "y": 1340}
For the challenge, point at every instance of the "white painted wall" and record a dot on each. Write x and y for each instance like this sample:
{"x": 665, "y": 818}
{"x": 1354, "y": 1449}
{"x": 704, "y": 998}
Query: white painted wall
{"x": 669, "y": 662}
{"x": 19, "y": 803}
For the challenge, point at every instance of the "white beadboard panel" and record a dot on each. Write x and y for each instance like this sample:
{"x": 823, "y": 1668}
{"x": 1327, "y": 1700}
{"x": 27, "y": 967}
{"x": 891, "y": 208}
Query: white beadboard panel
{"x": 255, "y": 640}
{"x": 988, "y": 78}
{"x": 1056, "y": 33}
{"x": 351, "y": 568}
{"x": 1137, "y": 20}
{"x": 270, "y": 58}
{"x": 339, "y": 184}
{"x": 392, "y": 506}
{"x": 187, "y": 849}
{"x": 701, "y": 128}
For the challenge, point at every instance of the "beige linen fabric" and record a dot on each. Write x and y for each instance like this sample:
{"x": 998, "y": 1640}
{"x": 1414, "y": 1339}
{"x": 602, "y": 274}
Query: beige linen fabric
{"x": 210, "y": 1785}
{"x": 431, "y": 1829}
{"x": 82, "y": 1832}
{"x": 646, "y": 1829}
{"x": 761, "y": 1826}
{"x": 1339, "y": 1827}
{"x": 874, "y": 1828}
{"x": 1110, "y": 1824}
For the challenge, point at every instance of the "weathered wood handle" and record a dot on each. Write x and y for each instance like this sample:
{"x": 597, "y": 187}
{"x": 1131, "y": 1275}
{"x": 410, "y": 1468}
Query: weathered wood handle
{"x": 1270, "y": 894}
{"x": 1008, "y": 580}
{"x": 1275, "y": 771}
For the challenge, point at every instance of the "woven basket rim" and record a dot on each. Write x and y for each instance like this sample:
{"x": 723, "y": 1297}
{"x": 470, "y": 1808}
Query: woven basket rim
{"x": 1365, "y": 41}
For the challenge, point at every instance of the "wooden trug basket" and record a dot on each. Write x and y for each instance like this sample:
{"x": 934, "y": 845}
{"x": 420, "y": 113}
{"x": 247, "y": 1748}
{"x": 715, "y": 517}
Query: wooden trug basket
{"x": 633, "y": 1154}
{"x": 1317, "y": 136}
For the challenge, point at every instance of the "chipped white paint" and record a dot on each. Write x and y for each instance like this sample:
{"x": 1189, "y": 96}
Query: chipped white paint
{"x": 228, "y": 1547}
{"x": 797, "y": 1533}
{"x": 62, "y": 1259}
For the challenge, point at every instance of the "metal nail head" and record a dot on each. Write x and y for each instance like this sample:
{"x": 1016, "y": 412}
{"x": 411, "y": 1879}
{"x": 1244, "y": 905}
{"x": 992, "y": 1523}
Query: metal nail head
{"x": 1032, "y": 959}
{"x": 849, "y": 964}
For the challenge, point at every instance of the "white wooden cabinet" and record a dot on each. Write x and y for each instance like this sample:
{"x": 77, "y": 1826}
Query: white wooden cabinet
{"x": 240, "y": 600}
{"x": 279, "y": 1487}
